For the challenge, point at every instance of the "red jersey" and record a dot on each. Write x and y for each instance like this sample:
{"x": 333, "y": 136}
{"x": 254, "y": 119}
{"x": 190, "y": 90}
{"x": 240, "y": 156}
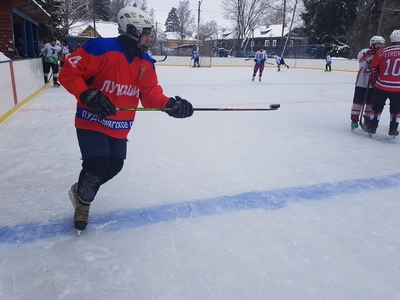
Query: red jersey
{"x": 385, "y": 67}
{"x": 102, "y": 63}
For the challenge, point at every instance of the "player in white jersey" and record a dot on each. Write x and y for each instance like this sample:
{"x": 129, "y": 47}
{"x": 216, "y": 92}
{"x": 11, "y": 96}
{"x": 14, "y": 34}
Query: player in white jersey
{"x": 259, "y": 58}
{"x": 51, "y": 52}
{"x": 280, "y": 62}
{"x": 364, "y": 90}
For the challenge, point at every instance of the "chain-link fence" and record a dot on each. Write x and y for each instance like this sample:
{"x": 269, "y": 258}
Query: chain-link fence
{"x": 221, "y": 49}
{"x": 215, "y": 49}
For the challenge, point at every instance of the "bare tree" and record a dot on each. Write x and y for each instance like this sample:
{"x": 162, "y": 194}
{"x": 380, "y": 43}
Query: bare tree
{"x": 72, "y": 11}
{"x": 186, "y": 19}
{"x": 209, "y": 31}
{"x": 246, "y": 15}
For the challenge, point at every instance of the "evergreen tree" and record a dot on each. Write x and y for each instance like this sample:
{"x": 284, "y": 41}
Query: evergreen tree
{"x": 363, "y": 29}
{"x": 328, "y": 21}
{"x": 102, "y": 9}
{"x": 172, "y": 24}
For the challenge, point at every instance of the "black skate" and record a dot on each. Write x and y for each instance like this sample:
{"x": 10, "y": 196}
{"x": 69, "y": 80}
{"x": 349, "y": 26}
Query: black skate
{"x": 393, "y": 133}
{"x": 81, "y": 215}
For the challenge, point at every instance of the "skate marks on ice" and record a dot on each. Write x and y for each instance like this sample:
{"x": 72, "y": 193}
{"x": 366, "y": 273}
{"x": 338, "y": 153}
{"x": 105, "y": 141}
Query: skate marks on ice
{"x": 133, "y": 218}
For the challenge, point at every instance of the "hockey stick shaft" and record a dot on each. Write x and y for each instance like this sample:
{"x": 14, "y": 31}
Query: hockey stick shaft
{"x": 366, "y": 94}
{"x": 268, "y": 63}
{"x": 271, "y": 107}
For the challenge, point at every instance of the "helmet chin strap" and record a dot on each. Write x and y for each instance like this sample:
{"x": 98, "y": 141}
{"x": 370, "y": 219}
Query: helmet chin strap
{"x": 131, "y": 36}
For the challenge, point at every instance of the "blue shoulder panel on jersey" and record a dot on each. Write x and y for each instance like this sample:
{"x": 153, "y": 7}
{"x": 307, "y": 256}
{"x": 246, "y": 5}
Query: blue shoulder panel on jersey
{"x": 100, "y": 46}
{"x": 146, "y": 56}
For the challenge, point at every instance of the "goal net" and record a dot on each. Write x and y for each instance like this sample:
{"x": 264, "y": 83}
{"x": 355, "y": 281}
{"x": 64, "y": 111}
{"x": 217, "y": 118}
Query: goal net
{"x": 205, "y": 56}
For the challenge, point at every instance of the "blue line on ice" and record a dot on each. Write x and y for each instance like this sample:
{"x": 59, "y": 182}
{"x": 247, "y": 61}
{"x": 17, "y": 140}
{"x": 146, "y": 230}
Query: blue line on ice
{"x": 132, "y": 218}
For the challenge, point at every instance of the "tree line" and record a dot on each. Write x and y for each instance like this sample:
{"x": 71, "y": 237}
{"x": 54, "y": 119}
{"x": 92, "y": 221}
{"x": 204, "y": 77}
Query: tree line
{"x": 344, "y": 26}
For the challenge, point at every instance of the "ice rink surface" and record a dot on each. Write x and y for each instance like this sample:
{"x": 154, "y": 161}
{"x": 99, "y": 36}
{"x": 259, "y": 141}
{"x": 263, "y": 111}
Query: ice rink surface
{"x": 286, "y": 204}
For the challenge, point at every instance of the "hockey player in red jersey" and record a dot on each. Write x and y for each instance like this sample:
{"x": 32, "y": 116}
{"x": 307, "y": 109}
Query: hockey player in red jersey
{"x": 364, "y": 90}
{"x": 103, "y": 74}
{"x": 385, "y": 75}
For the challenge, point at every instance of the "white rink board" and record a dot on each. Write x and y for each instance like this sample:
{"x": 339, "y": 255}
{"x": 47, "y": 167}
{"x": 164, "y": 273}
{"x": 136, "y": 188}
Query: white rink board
{"x": 6, "y": 100}
{"x": 28, "y": 77}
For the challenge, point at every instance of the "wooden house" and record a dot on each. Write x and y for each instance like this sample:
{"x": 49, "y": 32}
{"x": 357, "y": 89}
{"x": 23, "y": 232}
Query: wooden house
{"x": 19, "y": 27}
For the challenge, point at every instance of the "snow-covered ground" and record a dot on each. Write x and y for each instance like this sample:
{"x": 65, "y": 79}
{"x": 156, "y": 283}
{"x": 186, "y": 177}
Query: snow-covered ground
{"x": 286, "y": 204}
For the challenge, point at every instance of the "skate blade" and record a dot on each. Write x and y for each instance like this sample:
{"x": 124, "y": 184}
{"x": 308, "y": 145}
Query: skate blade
{"x": 371, "y": 135}
{"x": 392, "y": 137}
{"x": 78, "y": 232}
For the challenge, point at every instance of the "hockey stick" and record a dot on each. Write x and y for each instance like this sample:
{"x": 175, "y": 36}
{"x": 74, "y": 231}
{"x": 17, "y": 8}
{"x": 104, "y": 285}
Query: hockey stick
{"x": 271, "y": 107}
{"x": 268, "y": 63}
{"x": 156, "y": 61}
{"x": 362, "y": 125}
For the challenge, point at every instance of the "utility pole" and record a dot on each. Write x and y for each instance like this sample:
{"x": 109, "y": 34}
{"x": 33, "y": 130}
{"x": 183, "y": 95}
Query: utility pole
{"x": 283, "y": 22}
{"x": 198, "y": 27}
{"x": 94, "y": 17}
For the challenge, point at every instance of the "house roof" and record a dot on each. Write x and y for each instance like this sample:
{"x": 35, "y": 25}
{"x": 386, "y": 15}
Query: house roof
{"x": 32, "y": 9}
{"x": 176, "y": 36}
{"x": 104, "y": 29}
{"x": 270, "y": 31}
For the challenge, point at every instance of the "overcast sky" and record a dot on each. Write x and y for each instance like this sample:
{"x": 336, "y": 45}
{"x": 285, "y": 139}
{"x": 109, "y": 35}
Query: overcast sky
{"x": 209, "y": 10}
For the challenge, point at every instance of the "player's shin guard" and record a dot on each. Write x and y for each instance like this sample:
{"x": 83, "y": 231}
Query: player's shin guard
{"x": 367, "y": 113}
{"x": 355, "y": 112}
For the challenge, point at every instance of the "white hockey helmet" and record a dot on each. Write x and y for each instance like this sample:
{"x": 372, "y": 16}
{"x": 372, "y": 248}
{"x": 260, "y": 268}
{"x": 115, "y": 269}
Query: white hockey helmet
{"x": 275, "y": 56}
{"x": 133, "y": 21}
{"x": 376, "y": 42}
{"x": 395, "y": 36}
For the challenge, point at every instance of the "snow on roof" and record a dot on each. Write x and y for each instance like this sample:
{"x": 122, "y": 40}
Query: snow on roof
{"x": 270, "y": 31}
{"x": 104, "y": 29}
{"x": 176, "y": 36}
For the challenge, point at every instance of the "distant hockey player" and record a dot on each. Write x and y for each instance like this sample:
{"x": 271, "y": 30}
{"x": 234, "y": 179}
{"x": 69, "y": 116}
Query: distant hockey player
{"x": 51, "y": 52}
{"x": 280, "y": 62}
{"x": 64, "y": 52}
{"x": 102, "y": 74}
{"x": 385, "y": 77}
{"x": 328, "y": 64}
{"x": 196, "y": 58}
{"x": 259, "y": 58}
{"x": 364, "y": 90}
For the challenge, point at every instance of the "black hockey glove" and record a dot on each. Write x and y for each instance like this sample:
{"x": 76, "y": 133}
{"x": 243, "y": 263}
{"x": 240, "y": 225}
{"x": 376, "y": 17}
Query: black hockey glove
{"x": 180, "y": 108}
{"x": 255, "y": 60}
{"x": 98, "y": 102}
